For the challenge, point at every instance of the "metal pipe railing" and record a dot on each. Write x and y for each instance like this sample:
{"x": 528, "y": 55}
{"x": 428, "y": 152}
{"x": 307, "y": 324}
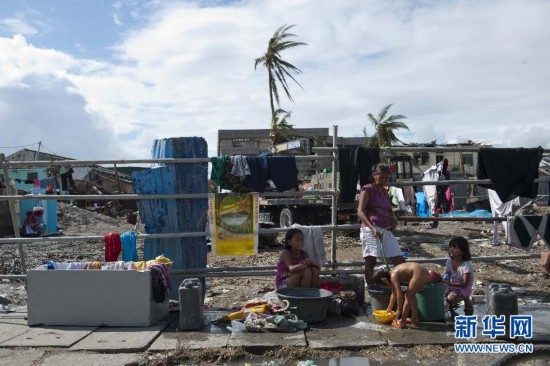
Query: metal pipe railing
{"x": 263, "y": 271}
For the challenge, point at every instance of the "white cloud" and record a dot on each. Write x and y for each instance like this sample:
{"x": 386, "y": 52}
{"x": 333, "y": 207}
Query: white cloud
{"x": 17, "y": 26}
{"x": 459, "y": 70}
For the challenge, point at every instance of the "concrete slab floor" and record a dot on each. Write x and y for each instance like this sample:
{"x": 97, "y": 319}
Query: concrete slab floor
{"x": 61, "y": 336}
{"x": 122, "y": 339}
{"x": 11, "y": 327}
{"x": 91, "y": 359}
{"x": 340, "y": 332}
{"x": 209, "y": 336}
{"x": 19, "y": 357}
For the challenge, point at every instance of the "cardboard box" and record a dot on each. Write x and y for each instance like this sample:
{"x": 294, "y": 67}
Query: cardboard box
{"x": 92, "y": 298}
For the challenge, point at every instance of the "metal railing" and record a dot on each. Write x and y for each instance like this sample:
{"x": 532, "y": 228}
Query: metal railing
{"x": 228, "y": 271}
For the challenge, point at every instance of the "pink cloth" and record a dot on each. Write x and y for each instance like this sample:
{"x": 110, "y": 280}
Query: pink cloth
{"x": 449, "y": 196}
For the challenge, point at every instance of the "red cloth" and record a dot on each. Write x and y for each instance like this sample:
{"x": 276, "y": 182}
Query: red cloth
{"x": 113, "y": 247}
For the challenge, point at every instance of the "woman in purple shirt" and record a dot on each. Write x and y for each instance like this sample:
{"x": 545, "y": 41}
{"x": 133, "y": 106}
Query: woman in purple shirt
{"x": 377, "y": 222}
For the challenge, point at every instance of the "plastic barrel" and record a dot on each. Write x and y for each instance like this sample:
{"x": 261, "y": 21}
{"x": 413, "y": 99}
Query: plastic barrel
{"x": 379, "y": 297}
{"x": 431, "y": 305}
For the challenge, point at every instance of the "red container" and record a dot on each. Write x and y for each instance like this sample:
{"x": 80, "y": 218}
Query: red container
{"x": 38, "y": 211}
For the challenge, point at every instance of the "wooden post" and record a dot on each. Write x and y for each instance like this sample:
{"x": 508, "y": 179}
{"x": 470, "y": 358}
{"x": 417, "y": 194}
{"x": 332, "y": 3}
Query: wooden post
{"x": 14, "y": 218}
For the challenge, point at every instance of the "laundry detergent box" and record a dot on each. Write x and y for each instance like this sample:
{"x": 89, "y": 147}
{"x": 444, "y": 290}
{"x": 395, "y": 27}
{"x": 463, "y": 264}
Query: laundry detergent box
{"x": 92, "y": 298}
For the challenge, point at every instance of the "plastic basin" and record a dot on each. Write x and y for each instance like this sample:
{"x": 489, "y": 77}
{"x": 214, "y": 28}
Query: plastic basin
{"x": 308, "y": 304}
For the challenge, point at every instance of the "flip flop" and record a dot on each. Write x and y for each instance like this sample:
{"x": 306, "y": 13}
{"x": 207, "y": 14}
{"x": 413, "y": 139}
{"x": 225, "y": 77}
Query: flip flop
{"x": 397, "y": 324}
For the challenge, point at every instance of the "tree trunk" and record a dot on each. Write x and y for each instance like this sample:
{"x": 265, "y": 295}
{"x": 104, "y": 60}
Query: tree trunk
{"x": 273, "y": 132}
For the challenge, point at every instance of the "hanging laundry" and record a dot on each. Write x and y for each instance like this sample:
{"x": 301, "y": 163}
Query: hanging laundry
{"x": 499, "y": 209}
{"x": 129, "y": 251}
{"x": 160, "y": 282}
{"x": 523, "y": 230}
{"x": 113, "y": 247}
{"x": 512, "y": 171}
{"x": 49, "y": 184}
{"x": 314, "y": 244}
{"x": 259, "y": 173}
{"x": 283, "y": 172}
{"x": 441, "y": 204}
{"x": 240, "y": 166}
{"x": 431, "y": 175}
{"x": 422, "y": 206}
{"x": 219, "y": 174}
{"x": 355, "y": 164}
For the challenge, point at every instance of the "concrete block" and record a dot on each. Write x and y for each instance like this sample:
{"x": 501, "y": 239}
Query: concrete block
{"x": 92, "y": 298}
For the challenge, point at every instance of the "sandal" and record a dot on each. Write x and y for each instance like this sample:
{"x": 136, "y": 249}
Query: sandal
{"x": 398, "y": 324}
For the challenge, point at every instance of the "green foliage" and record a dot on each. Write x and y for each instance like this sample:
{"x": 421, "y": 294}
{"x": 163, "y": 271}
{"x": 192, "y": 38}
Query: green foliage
{"x": 278, "y": 70}
{"x": 385, "y": 128}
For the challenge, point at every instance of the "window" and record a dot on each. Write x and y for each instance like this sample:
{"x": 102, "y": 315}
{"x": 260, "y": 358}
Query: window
{"x": 439, "y": 158}
{"x": 422, "y": 158}
{"x": 240, "y": 142}
{"x": 32, "y": 176}
{"x": 468, "y": 159}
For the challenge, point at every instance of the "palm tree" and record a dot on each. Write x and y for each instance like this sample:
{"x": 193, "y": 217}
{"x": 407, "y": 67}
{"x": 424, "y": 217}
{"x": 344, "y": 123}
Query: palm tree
{"x": 281, "y": 128}
{"x": 384, "y": 128}
{"x": 278, "y": 69}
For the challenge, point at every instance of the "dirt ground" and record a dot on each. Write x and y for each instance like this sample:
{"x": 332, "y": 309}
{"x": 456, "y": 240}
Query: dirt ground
{"x": 421, "y": 241}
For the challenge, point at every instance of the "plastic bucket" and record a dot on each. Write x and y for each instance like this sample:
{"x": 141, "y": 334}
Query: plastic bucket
{"x": 379, "y": 297}
{"x": 431, "y": 302}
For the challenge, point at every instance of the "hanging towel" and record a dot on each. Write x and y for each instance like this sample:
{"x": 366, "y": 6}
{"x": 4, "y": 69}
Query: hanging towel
{"x": 422, "y": 207}
{"x": 219, "y": 174}
{"x": 355, "y": 164}
{"x": 314, "y": 244}
{"x": 431, "y": 175}
{"x": 499, "y": 209}
{"x": 511, "y": 170}
{"x": 283, "y": 172}
{"x": 113, "y": 247}
{"x": 523, "y": 230}
{"x": 129, "y": 251}
{"x": 258, "y": 173}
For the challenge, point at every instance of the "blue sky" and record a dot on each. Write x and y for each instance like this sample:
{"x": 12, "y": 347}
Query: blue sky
{"x": 103, "y": 79}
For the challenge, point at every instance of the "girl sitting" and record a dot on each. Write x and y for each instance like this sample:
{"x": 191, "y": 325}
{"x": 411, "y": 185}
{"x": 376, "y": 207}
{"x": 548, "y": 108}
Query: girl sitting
{"x": 459, "y": 276}
{"x": 295, "y": 268}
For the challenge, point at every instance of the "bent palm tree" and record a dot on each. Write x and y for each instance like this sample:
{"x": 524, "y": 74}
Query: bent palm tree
{"x": 283, "y": 129}
{"x": 384, "y": 128}
{"x": 278, "y": 69}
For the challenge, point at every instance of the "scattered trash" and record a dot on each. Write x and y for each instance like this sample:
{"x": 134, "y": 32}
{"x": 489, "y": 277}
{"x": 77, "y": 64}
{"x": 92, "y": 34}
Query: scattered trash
{"x": 8, "y": 308}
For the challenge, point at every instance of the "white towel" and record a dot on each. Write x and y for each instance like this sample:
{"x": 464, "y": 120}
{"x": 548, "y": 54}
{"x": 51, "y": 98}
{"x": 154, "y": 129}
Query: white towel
{"x": 314, "y": 244}
{"x": 499, "y": 209}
